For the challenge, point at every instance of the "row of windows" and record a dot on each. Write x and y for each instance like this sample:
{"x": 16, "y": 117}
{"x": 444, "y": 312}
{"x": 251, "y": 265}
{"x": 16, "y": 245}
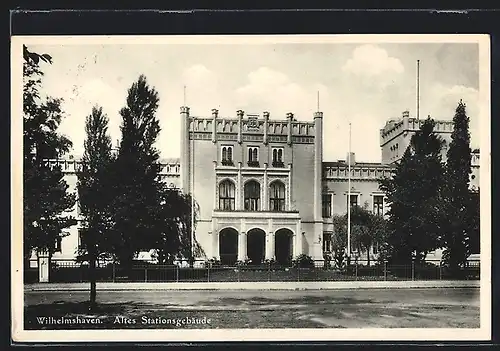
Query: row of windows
{"x": 378, "y": 204}
{"x": 252, "y": 156}
{"x": 252, "y": 201}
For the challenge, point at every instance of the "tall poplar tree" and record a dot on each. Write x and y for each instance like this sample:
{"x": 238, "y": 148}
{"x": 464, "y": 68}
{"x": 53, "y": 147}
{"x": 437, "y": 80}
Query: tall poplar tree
{"x": 137, "y": 190}
{"x": 413, "y": 195}
{"x": 95, "y": 197}
{"x": 457, "y": 199}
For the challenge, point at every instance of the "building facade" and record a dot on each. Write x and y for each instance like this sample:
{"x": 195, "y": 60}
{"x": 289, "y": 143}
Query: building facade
{"x": 262, "y": 187}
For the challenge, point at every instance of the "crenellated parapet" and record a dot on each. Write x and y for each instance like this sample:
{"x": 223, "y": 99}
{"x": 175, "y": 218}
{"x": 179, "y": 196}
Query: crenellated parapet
{"x": 397, "y": 126}
{"x": 168, "y": 167}
{"x": 359, "y": 171}
{"x": 251, "y": 127}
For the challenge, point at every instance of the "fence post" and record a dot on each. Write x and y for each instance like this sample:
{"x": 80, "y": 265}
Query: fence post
{"x": 356, "y": 270}
{"x": 176, "y": 273}
{"x": 208, "y": 273}
{"x": 114, "y": 272}
{"x": 440, "y": 273}
{"x": 412, "y": 270}
{"x": 385, "y": 270}
{"x": 145, "y": 274}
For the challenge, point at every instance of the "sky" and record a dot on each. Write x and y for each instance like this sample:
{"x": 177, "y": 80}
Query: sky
{"x": 364, "y": 84}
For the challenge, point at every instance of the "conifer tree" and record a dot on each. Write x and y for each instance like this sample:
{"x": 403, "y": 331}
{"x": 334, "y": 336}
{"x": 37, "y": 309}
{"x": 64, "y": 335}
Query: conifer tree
{"x": 413, "y": 196}
{"x": 95, "y": 198}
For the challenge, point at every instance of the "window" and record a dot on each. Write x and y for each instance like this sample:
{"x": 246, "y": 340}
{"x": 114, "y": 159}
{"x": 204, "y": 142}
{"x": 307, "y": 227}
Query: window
{"x": 227, "y": 155}
{"x": 327, "y": 205}
{"x": 354, "y": 200}
{"x": 58, "y": 244}
{"x": 253, "y": 156}
{"x": 226, "y": 195}
{"x": 252, "y": 195}
{"x": 378, "y": 205}
{"x": 327, "y": 243}
{"x": 277, "y": 157}
{"x": 277, "y": 197}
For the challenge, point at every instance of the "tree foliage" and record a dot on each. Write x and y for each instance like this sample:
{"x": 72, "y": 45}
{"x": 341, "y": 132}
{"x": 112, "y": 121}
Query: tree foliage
{"x": 457, "y": 200}
{"x": 413, "y": 193}
{"x": 367, "y": 230}
{"x": 93, "y": 192}
{"x": 147, "y": 215}
{"x": 46, "y": 199}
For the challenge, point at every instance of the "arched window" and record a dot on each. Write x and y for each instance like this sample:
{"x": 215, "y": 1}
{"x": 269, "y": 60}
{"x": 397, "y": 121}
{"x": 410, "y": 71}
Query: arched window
{"x": 277, "y": 197}
{"x": 252, "y": 195}
{"x": 227, "y": 155}
{"x": 226, "y": 195}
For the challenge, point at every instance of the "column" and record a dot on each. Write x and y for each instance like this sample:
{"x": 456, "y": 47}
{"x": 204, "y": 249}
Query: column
{"x": 238, "y": 193}
{"x": 240, "y": 124}
{"x": 242, "y": 246}
{"x": 216, "y": 199}
{"x": 265, "y": 200}
{"x": 318, "y": 164}
{"x": 297, "y": 243}
{"x": 266, "y": 126}
{"x": 289, "y": 117}
{"x": 269, "y": 245}
{"x": 289, "y": 199}
{"x": 215, "y": 112}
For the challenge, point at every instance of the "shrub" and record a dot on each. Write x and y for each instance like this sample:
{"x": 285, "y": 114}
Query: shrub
{"x": 303, "y": 261}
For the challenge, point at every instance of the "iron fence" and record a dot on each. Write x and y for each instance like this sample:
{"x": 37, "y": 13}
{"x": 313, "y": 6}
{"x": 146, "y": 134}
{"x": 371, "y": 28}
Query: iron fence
{"x": 202, "y": 271}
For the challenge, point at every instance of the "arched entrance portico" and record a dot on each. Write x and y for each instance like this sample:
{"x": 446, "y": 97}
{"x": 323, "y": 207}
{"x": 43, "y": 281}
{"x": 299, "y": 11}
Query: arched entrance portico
{"x": 256, "y": 245}
{"x": 228, "y": 246}
{"x": 283, "y": 246}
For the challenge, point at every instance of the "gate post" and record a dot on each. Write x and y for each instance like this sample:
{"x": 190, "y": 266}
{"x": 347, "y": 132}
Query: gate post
{"x": 43, "y": 266}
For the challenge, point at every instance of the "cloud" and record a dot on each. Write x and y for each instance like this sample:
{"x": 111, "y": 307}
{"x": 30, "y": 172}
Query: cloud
{"x": 373, "y": 67}
{"x": 370, "y": 60}
{"x": 443, "y": 101}
{"x": 272, "y": 90}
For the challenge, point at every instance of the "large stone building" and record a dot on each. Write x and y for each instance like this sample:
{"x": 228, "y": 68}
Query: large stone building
{"x": 263, "y": 189}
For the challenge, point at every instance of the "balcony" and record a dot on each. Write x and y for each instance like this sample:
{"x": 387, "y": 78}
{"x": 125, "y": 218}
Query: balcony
{"x": 253, "y": 164}
{"x": 227, "y": 163}
{"x": 278, "y": 164}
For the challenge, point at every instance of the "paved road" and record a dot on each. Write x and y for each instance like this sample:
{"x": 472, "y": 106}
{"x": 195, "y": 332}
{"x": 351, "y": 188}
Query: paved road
{"x": 413, "y": 308}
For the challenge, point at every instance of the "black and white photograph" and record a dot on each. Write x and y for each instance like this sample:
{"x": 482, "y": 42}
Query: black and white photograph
{"x": 251, "y": 188}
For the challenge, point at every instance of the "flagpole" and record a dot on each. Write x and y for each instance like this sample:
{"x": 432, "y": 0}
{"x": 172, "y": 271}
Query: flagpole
{"x": 418, "y": 93}
{"x": 349, "y": 200}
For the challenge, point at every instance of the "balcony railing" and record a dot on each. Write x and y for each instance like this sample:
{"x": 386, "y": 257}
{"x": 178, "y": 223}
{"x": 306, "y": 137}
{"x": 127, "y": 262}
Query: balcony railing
{"x": 227, "y": 163}
{"x": 253, "y": 164}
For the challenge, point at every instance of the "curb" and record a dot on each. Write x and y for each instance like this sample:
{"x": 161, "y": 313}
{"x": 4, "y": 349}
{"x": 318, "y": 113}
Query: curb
{"x": 253, "y": 286}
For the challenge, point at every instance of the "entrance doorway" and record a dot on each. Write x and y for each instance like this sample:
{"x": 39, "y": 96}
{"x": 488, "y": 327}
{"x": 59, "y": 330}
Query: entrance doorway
{"x": 256, "y": 246}
{"x": 228, "y": 246}
{"x": 283, "y": 247}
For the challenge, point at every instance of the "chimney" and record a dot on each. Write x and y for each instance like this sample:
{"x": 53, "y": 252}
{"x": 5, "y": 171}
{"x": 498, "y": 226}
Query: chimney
{"x": 289, "y": 116}
{"x": 352, "y": 159}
